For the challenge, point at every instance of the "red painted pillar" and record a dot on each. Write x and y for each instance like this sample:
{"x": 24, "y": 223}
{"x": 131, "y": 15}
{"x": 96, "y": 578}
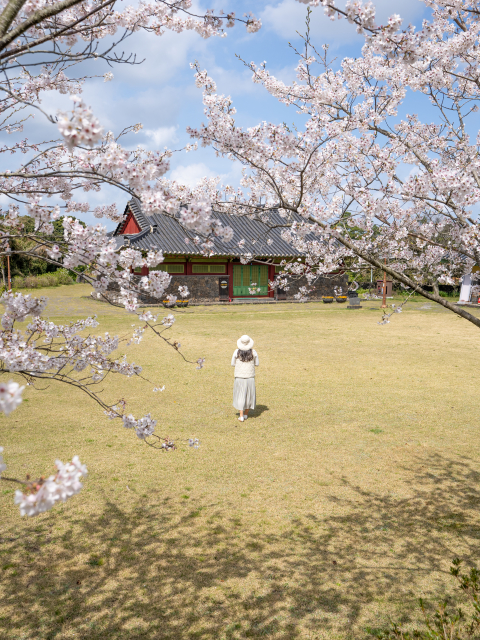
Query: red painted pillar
{"x": 230, "y": 279}
{"x": 189, "y": 268}
{"x": 145, "y": 271}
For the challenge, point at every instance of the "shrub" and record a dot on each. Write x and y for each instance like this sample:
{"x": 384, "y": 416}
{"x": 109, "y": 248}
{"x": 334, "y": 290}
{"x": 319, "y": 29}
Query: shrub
{"x": 31, "y": 282}
{"x": 47, "y": 280}
{"x": 63, "y": 277}
{"x": 53, "y": 279}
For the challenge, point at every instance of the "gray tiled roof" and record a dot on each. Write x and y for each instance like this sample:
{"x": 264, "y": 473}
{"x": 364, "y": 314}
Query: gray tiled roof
{"x": 170, "y": 236}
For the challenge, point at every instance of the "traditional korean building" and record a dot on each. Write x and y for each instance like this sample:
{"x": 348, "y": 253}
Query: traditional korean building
{"x": 223, "y": 276}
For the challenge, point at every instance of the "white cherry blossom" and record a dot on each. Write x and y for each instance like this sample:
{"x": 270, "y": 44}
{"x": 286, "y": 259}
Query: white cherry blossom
{"x": 10, "y": 396}
{"x": 81, "y": 127}
{"x": 59, "y": 175}
{"x": 42, "y": 496}
{"x": 338, "y": 182}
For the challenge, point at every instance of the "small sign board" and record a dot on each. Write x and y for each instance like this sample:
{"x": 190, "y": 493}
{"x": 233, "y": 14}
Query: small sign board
{"x": 223, "y": 288}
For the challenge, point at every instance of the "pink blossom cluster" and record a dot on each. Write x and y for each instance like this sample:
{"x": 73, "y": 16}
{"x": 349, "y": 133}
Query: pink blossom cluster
{"x": 47, "y": 349}
{"x": 168, "y": 320}
{"x": 19, "y": 306}
{"x": 147, "y": 316}
{"x": 197, "y": 217}
{"x": 92, "y": 246}
{"x": 10, "y": 396}
{"x": 99, "y": 21}
{"x": 81, "y": 127}
{"x": 137, "y": 336}
{"x": 144, "y": 427}
{"x": 45, "y": 494}
{"x": 302, "y": 294}
{"x": 108, "y": 211}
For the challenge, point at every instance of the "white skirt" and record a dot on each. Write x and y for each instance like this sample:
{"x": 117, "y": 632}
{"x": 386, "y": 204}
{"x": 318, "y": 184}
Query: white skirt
{"x": 244, "y": 393}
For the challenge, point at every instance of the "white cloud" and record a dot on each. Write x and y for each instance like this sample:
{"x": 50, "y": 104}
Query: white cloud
{"x": 162, "y": 57}
{"x": 237, "y": 82}
{"x": 163, "y": 136}
{"x": 191, "y": 174}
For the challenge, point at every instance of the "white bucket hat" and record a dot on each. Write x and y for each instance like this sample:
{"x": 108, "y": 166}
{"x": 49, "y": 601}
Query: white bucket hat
{"x": 244, "y": 343}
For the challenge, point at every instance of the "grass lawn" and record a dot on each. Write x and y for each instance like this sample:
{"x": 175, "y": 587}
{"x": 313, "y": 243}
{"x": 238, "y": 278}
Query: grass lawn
{"x": 341, "y": 501}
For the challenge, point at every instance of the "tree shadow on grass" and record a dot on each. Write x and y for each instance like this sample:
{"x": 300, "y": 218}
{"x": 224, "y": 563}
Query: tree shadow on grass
{"x": 161, "y": 570}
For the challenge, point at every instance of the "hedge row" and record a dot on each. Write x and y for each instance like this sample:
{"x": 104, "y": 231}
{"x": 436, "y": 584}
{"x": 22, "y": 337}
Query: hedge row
{"x": 54, "y": 279}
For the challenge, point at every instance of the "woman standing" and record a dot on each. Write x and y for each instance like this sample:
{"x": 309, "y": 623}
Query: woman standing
{"x": 244, "y": 359}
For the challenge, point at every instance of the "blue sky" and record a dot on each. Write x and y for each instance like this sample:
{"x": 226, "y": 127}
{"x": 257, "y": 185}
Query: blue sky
{"x": 161, "y": 94}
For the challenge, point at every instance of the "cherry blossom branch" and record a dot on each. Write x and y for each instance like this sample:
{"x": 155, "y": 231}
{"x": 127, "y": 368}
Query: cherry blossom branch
{"x": 40, "y": 16}
{"x": 9, "y": 14}
{"x": 408, "y": 282}
{"x": 42, "y": 494}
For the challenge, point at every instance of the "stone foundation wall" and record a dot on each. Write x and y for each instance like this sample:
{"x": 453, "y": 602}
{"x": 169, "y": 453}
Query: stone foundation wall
{"x": 205, "y": 288}
{"x": 322, "y": 287}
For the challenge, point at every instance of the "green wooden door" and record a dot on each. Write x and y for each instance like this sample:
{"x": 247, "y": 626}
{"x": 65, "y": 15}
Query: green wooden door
{"x": 249, "y": 276}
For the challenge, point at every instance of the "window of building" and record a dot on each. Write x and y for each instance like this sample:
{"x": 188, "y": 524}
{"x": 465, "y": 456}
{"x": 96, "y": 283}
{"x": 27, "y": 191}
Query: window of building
{"x": 170, "y": 268}
{"x": 209, "y": 268}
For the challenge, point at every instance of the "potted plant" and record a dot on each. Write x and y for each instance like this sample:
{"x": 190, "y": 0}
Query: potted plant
{"x": 327, "y": 299}
{"x": 168, "y": 304}
{"x": 341, "y": 298}
{"x": 182, "y": 303}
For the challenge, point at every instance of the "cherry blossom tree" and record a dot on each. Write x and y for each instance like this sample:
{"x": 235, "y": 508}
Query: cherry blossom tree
{"x": 383, "y": 169}
{"x": 42, "y": 45}
{"x": 373, "y": 184}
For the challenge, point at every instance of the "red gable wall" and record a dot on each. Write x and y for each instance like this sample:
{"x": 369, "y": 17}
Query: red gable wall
{"x": 130, "y": 225}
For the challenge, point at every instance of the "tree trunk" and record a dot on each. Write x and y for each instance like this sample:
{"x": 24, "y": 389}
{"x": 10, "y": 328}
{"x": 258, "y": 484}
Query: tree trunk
{"x": 435, "y": 289}
{"x": 3, "y": 273}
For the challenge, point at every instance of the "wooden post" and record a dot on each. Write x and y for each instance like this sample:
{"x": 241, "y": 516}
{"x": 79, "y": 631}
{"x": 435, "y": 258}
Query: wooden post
{"x": 230, "y": 279}
{"x": 384, "y": 301}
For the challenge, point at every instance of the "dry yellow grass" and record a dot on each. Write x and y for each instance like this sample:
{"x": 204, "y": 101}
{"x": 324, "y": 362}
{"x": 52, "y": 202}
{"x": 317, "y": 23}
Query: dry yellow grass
{"x": 341, "y": 500}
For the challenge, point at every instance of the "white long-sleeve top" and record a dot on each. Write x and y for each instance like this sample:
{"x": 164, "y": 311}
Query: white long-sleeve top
{"x": 245, "y": 369}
